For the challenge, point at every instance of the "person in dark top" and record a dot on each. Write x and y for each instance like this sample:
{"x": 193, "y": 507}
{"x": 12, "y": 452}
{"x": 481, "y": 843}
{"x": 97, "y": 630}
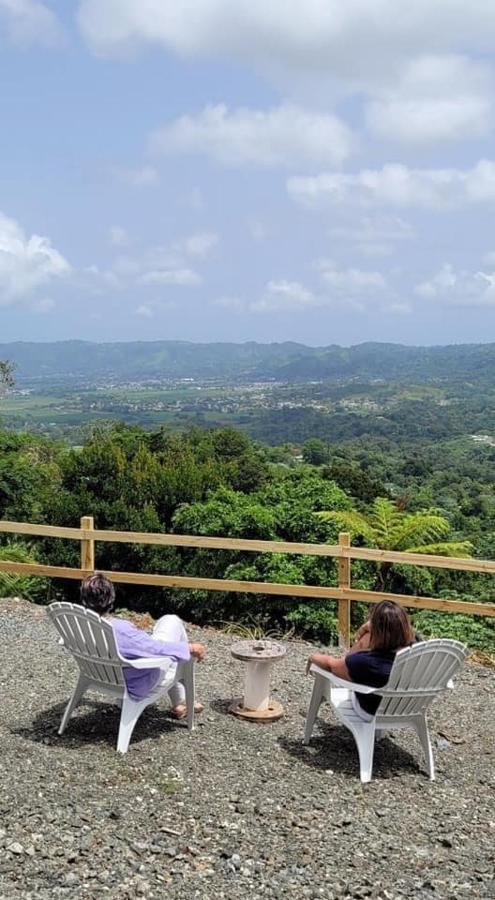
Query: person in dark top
{"x": 372, "y": 656}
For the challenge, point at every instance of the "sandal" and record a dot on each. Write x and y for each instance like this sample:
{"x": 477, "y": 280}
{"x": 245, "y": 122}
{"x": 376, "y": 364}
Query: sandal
{"x": 180, "y": 711}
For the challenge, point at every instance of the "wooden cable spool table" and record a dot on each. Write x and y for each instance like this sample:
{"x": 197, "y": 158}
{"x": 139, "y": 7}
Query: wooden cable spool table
{"x": 260, "y": 656}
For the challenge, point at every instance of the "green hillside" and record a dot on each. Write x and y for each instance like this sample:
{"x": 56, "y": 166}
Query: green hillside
{"x": 248, "y": 361}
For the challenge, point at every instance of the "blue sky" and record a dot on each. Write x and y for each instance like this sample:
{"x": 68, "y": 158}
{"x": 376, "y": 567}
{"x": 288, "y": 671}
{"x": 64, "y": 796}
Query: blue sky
{"x": 311, "y": 170}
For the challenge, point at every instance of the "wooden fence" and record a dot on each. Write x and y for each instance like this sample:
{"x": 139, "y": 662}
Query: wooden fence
{"x": 88, "y": 535}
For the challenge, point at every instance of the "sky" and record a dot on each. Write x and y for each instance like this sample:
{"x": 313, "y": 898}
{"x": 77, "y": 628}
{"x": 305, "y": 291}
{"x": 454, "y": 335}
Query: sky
{"x": 320, "y": 171}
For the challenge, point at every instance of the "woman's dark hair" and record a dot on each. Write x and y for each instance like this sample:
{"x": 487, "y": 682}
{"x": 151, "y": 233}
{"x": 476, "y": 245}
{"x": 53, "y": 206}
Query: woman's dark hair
{"x": 390, "y": 628}
{"x": 98, "y": 594}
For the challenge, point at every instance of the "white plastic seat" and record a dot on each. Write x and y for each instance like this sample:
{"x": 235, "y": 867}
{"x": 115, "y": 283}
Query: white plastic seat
{"x": 91, "y": 641}
{"x": 419, "y": 674}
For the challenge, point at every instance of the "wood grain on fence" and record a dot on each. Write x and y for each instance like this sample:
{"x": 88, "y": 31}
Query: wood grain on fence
{"x": 252, "y": 587}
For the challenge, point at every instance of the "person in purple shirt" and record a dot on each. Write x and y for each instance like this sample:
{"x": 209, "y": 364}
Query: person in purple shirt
{"x": 168, "y": 640}
{"x": 371, "y": 657}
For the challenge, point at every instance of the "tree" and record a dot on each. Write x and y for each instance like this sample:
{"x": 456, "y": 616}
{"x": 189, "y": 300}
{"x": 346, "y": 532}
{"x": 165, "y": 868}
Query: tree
{"x": 315, "y": 452}
{"x": 390, "y": 527}
{"x": 6, "y": 374}
{"x": 354, "y": 480}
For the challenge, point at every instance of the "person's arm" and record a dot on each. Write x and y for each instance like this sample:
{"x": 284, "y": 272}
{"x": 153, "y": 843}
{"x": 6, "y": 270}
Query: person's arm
{"x": 365, "y": 627}
{"x": 335, "y": 664}
{"x": 133, "y": 643}
{"x": 361, "y": 638}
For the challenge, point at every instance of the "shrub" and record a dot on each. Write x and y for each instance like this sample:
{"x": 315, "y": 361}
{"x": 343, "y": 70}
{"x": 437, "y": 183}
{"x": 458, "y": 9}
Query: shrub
{"x": 315, "y": 620}
{"x": 475, "y": 631}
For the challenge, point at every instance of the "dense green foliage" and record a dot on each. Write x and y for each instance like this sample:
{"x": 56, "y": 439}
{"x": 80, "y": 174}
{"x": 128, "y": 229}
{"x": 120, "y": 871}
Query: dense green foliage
{"x": 218, "y": 482}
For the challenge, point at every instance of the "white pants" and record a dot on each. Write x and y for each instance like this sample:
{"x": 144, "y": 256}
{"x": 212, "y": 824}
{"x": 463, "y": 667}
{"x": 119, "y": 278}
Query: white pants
{"x": 171, "y": 628}
{"x": 358, "y": 709}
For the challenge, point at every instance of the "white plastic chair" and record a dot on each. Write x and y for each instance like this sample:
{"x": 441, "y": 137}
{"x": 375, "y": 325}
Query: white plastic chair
{"x": 419, "y": 674}
{"x": 91, "y": 642}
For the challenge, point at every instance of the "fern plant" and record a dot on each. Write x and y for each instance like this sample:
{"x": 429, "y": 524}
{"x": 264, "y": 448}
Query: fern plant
{"x": 388, "y": 527}
{"x": 29, "y": 587}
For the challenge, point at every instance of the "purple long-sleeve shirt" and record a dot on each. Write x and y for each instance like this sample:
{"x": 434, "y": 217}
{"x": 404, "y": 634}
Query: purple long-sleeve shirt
{"x": 133, "y": 643}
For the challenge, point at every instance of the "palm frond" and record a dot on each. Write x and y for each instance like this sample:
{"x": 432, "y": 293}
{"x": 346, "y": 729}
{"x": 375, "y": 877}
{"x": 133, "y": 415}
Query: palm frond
{"x": 350, "y": 520}
{"x": 462, "y": 549}
{"x": 419, "y": 528}
{"x": 384, "y": 519}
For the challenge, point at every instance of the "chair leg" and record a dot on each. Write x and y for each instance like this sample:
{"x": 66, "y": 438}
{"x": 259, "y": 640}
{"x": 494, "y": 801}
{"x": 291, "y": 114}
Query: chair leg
{"x": 77, "y": 695}
{"x": 421, "y": 727}
{"x": 129, "y": 716}
{"x": 364, "y": 735}
{"x": 188, "y": 682}
{"x": 314, "y": 705}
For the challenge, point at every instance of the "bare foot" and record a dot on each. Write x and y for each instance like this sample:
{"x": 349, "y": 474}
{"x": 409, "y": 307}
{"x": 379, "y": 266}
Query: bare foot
{"x": 180, "y": 711}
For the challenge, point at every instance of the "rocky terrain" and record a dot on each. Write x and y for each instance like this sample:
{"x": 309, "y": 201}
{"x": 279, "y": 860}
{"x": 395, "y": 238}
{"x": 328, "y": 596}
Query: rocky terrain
{"x": 235, "y": 809}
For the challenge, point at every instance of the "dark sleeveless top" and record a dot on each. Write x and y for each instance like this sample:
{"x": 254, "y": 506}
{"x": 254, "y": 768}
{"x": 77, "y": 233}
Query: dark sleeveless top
{"x": 371, "y": 667}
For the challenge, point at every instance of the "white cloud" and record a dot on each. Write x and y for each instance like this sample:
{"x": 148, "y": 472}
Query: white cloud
{"x": 351, "y": 40}
{"x": 170, "y": 264}
{"x": 144, "y": 311}
{"x": 436, "y": 98}
{"x": 416, "y": 69}
{"x": 440, "y": 283}
{"x": 161, "y": 265}
{"x": 146, "y": 176}
{"x": 29, "y": 22}
{"x": 284, "y": 296}
{"x": 26, "y": 263}
{"x": 459, "y": 288}
{"x": 351, "y": 290}
{"x": 370, "y": 229}
{"x": 396, "y": 185}
{"x": 349, "y": 281}
{"x": 118, "y": 236}
{"x": 286, "y": 135}
{"x": 183, "y": 277}
{"x": 355, "y": 289}
{"x": 233, "y": 303}
{"x": 374, "y": 235}
{"x": 258, "y": 230}
{"x": 98, "y": 281}
{"x": 198, "y": 245}
{"x": 398, "y": 308}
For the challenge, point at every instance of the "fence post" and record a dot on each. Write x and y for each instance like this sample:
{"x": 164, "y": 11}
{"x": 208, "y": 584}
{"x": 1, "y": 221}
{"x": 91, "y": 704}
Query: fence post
{"x": 344, "y": 572}
{"x": 87, "y": 545}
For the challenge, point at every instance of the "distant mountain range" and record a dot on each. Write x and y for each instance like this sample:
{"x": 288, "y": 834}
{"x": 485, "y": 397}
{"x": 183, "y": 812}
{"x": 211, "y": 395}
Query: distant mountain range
{"x": 137, "y": 361}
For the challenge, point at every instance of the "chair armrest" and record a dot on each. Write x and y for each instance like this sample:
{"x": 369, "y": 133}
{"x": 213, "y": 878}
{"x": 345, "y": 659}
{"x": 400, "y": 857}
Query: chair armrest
{"x": 342, "y": 682}
{"x": 154, "y": 662}
{"x": 146, "y": 662}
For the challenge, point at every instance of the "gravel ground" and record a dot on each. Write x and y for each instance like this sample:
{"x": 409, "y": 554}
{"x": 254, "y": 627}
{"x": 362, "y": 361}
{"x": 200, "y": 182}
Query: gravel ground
{"x": 233, "y": 809}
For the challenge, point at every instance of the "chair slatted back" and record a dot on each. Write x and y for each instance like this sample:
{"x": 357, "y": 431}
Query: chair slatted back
{"x": 420, "y": 673}
{"x": 90, "y": 640}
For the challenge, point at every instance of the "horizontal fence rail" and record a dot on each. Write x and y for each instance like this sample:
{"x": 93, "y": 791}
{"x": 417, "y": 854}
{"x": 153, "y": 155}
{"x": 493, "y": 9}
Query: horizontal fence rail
{"x": 343, "y": 552}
